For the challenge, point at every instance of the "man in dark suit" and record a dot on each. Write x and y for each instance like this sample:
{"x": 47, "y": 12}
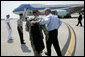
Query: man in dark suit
{"x": 79, "y": 19}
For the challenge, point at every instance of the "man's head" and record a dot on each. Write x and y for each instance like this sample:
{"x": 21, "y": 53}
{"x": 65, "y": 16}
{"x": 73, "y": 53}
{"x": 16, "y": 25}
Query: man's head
{"x": 7, "y": 16}
{"x": 80, "y": 13}
{"x": 36, "y": 13}
{"x": 21, "y": 16}
{"x": 47, "y": 11}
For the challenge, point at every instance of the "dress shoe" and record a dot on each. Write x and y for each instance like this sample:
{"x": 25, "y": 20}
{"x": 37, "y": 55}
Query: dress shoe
{"x": 23, "y": 43}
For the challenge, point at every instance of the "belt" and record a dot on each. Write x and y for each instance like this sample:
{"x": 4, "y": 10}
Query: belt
{"x": 53, "y": 30}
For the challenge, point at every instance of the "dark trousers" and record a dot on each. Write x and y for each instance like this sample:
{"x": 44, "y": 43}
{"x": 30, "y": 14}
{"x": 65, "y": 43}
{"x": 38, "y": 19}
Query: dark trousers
{"x": 37, "y": 38}
{"x": 79, "y": 22}
{"x": 20, "y": 35}
{"x": 53, "y": 40}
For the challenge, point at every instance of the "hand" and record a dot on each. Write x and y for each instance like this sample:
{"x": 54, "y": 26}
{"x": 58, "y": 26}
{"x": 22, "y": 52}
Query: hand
{"x": 33, "y": 22}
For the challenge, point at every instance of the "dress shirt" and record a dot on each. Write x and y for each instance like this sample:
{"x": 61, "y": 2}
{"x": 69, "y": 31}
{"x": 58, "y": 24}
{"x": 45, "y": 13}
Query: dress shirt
{"x": 52, "y": 22}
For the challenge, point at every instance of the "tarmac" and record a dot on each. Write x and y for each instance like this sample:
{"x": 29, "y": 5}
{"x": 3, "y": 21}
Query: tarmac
{"x": 70, "y": 37}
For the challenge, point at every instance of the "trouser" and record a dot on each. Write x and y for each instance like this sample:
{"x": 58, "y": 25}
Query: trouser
{"x": 20, "y": 35}
{"x": 36, "y": 53}
{"x": 9, "y": 34}
{"x": 45, "y": 32}
{"x": 79, "y": 22}
{"x": 53, "y": 40}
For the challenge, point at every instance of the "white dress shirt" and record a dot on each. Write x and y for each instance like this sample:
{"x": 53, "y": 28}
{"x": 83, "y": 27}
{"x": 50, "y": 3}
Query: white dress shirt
{"x": 9, "y": 30}
{"x": 52, "y": 22}
{"x": 7, "y": 21}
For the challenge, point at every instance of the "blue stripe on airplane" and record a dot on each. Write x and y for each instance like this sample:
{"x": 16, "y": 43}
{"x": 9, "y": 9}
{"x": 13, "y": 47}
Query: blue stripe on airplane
{"x": 21, "y": 7}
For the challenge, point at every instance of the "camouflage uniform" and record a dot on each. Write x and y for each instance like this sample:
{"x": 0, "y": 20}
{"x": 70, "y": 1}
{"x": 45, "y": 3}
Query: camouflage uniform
{"x": 28, "y": 28}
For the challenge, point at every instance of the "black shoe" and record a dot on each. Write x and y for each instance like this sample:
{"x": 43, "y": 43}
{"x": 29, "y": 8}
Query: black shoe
{"x": 46, "y": 53}
{"x": 23, "y": 43}
{"x": 76, "y": 25}
{"x": 10, "y": 39}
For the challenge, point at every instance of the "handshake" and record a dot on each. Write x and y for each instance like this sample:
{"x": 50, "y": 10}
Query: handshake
{"x": 33, "y": 22}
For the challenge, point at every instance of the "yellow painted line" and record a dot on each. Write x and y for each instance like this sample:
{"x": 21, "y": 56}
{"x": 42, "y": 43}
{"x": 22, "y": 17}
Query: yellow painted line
{"x": 72, "y": 43}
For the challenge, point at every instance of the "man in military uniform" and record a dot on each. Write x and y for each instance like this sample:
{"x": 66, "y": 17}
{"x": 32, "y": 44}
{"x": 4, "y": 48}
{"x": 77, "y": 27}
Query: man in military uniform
{"x": 36, "y": 35}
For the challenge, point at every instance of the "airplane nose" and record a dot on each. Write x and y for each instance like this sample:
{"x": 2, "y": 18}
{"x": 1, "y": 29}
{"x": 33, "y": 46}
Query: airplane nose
{"x": 21, "y": 7}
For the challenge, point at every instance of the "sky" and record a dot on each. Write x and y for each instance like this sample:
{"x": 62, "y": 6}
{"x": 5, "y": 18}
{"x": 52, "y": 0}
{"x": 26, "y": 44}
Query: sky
{"x": 7, "y": 7}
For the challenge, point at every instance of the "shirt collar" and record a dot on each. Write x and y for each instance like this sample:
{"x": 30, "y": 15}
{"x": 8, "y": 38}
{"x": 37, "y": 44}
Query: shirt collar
{"x": 49, "y": 14}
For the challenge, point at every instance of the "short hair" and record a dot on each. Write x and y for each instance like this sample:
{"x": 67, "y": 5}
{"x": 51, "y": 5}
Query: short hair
{"x": 7, "y": 15}
{"x": 20, "y": 14}
{"x": 34, "y": 11}
{"x": 48, "y": 9}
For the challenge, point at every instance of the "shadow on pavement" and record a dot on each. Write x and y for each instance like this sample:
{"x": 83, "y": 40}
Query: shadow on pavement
{"x": 10, "y": 41}
{"x": 25, "y": 48}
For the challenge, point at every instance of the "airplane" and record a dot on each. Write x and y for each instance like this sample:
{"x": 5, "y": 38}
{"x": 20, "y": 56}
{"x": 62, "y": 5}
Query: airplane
{"x": 60, "y": 10}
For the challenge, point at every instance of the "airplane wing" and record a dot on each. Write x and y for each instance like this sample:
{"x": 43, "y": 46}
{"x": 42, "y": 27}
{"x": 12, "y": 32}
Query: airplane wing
{"x": 75, "y": 9}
